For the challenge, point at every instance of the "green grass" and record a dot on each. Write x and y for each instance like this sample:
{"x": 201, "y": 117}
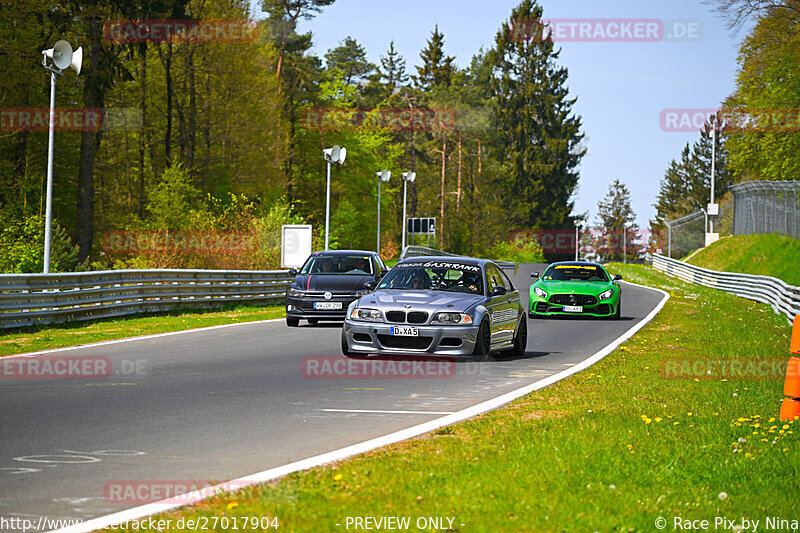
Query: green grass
{"x": 769, "y": 255}
{"x": 609, "y": 449}
{"x": 31, "y": 339}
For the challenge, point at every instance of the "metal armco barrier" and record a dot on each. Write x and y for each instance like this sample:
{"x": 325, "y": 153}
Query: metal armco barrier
{"x": 784, "y": 299}
{"x": 27, "y": 299}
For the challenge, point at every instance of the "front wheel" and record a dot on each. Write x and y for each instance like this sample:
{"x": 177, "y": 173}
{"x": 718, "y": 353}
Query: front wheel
{"x": 619, "y": 310}
{"x": 292, "y": 322}
{"x": 521, "y": 338}
{"x": 483, "y": 344}
{"x": 345, "y": 348}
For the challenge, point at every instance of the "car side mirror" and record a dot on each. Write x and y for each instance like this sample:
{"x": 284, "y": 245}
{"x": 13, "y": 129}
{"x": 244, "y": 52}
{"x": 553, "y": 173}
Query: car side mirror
{"x": 498, "y": 291}
{"x": 617, "y": 277}
{"x": 292, "y": 271}
{"x": 534, "y": 274}
{"x": 370, "y": 285}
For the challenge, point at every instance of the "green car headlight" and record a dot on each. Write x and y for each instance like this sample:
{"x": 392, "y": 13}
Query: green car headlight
{"x": 539, "y": 293}
{"x": 607, "y": 294}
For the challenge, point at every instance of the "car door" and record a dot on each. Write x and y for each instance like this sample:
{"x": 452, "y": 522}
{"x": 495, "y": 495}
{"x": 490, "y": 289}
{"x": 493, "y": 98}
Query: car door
{"x": 501, "y": 306}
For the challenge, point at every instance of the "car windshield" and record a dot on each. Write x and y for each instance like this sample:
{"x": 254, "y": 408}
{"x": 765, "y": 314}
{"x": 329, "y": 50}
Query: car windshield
{"x": 437, "y": 276}
{"x": 348, "y": 265}
{"x": 575, "y": 273}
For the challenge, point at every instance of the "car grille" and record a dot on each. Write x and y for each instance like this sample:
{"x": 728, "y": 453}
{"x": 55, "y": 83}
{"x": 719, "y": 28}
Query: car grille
{"x": 406, "y": 343}
{"x": 573, "y": 299}
{"x": 396, "y": 316}
{"x": 413, "y": 317}
{"x": 417, "y": 317}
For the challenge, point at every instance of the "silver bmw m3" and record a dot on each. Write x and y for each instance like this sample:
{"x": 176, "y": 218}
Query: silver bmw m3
{"x": 438, "y": 305}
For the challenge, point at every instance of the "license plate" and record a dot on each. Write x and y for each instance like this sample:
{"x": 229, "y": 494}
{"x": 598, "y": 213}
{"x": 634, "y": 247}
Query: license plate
{"x": 573, "y": 309}
{"x": 327, "y": 305}
{"x": 404, "y": 331}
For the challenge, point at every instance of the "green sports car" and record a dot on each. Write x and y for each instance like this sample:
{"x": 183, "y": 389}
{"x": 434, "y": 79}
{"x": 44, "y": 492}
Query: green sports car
{"x": 575, "y": 288}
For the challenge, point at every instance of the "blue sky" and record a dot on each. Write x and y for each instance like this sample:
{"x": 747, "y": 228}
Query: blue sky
{"x": 621, "y": 86}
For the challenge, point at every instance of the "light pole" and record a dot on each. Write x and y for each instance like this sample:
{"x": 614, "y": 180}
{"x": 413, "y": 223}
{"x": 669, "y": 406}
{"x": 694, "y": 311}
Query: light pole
{"x": 625, "y": 228}
{"x": 62, "y": 57}
{"x": 331, "y": 155}
{"x": 382, "y": 177}
{"x": 408, "y": 177}
{"x": 579, "y": 225}
{"x": 711, "y": 210}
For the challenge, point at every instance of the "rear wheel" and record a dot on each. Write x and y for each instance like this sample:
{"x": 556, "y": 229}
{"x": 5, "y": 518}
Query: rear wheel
{"x": 483, "y": 344}
{"x": 521, "y": 338}
{"x": 292, "y": 322}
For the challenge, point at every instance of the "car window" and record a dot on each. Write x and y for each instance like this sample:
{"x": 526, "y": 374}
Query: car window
{"x": 507, "y": 282}
{"x": 434, "y": 275}
{"x": 358, "y": 265}
{"x": 575, "y": 273}
{"x": 494, "y": 277}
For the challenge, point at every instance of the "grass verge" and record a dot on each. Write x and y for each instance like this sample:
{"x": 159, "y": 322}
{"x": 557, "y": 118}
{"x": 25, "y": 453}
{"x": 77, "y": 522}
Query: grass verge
{"x": 769, "y": 255}
{"x": 609, "y": 449}
{"x": 35, "y": 338}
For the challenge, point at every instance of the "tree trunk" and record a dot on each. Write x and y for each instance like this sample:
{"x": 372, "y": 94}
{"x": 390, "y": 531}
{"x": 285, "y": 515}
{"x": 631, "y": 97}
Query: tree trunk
{"x": 458, "y": 190}
{"x": 93, "y": 97}
{"x": 444, "y": 168}
{"x": 143, "y": 106}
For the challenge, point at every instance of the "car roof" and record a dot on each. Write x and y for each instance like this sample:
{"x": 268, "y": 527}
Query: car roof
{"x": 343, "y": 252}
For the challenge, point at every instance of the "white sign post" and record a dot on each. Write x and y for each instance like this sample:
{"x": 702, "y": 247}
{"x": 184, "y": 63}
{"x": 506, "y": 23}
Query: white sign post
{"x": 295, "y": 244}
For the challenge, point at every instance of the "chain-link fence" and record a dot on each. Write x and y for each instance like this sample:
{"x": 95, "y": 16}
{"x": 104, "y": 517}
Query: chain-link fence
{"x": 688, "y": 233}
{"x": 767, "y": 207}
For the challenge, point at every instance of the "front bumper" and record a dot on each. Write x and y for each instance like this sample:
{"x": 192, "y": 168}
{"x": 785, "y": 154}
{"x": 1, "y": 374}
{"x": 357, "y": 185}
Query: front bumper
{"x": 603, "y": 308}
{"x": 374, "y": 337}
{"x": 303, "y": 307}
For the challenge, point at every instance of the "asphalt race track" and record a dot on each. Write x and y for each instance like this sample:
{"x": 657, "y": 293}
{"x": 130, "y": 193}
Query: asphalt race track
{"x": 221, "y": 404}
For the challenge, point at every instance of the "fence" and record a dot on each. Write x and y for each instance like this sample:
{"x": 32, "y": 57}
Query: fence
{"x": 688, "y": 233}
{"x": 766, "y": 207}
{"x": 27, "y": 299}
{"x": 784, "y": 299}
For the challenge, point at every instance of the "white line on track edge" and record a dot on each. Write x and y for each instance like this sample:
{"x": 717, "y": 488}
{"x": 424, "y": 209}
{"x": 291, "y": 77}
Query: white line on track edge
{"x": 142, "y": 511}
{"x": 139, "y": 338}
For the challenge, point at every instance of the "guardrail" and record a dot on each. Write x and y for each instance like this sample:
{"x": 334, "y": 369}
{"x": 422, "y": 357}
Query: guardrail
{"x": 784, "y": 299}
{"x": 28, "y": 299}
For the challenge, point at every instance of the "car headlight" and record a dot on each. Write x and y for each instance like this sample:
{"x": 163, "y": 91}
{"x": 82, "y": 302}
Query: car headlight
{"x": 539, "y": 293}
{"x": 296, "y": 292}
{"x": 360, "y": 292}
{"x": 607, "y": 294}
{"x": 363, "y": 313}
{"x": 452, "y": 318}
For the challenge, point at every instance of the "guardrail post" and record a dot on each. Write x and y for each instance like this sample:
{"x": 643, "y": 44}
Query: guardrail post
{"x": 790, "y": 407}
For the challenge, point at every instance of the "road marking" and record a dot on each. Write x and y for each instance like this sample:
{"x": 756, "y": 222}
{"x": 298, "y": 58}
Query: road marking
{"x": 389, "y": 412}
{"x": 142, "y": 338}
{"x": 363, "y": 388}
{"x": 137, "y": 513}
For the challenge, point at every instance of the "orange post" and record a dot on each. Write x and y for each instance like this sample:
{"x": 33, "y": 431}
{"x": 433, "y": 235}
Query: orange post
{"x": 790, "y": 408}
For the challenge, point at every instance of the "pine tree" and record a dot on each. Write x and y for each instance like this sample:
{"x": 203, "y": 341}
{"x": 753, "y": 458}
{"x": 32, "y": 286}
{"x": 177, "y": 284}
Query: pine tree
{"x": 614, "y": 211}
{"x": 437, "y": 69}
{"x": 393, "y": 69}
{"x": 350, "y": 58}
{"x": 539, "y": 133}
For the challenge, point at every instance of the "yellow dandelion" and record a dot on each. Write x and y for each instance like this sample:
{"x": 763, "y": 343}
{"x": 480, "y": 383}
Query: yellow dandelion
{"x": 337, "y": 477}
{"x": 232, "y": 505}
